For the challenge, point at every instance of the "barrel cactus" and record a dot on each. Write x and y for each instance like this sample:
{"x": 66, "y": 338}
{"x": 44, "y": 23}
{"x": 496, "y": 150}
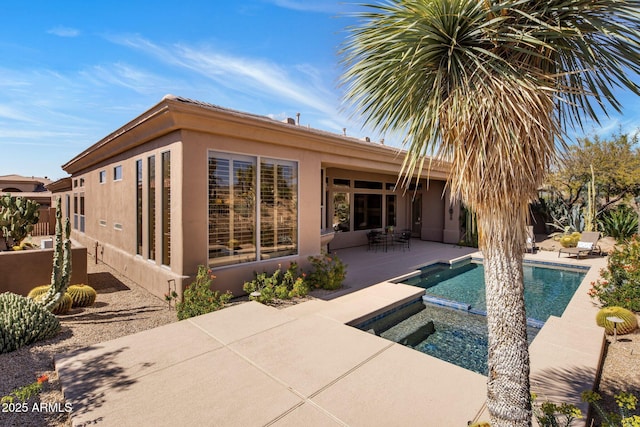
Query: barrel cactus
{"x": 629, "y": 324}
{"x": 82, "y": 295}
{"x": 23, "y": 321}
{"x": 62, "y": 307}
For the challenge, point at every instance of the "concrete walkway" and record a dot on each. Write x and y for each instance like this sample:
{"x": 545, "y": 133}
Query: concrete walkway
{"x": 253, "y": 365}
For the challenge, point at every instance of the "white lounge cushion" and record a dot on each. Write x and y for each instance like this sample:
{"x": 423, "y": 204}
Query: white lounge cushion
{"x": 584, "y": 245}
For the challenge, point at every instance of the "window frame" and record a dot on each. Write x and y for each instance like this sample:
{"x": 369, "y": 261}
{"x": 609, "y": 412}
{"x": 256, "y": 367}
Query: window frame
{"x": 256, "y": 161}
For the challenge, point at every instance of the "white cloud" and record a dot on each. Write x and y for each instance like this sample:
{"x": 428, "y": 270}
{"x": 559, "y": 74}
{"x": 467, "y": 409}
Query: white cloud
{"x": 61, "y": 31}
{"x": 324, "y": 6}
{"x": 300, "y": 85}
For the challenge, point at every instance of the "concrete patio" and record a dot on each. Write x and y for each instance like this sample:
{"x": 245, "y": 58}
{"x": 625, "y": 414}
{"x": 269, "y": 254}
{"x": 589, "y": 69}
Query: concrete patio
{"x": 253, "y": 365}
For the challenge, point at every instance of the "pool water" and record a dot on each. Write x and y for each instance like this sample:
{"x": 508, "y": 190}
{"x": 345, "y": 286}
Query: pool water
{"x": 547, "y": 291}
{"x": 457, "y": 335}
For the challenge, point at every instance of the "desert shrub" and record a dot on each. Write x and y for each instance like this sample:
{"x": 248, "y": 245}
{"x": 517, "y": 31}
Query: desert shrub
{"x": 620, "y": 223}
{"x": 277, "y": 285}
{"x": 328, "y": 271}
{"x": 627, "y": 409}
{"x": 198, "y": 298}
{"x": 619, "y": 283}
{"x": 549, "y": 414}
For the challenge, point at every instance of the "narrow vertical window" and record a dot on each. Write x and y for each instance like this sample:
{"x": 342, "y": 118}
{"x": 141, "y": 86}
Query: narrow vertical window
{"x": 82, "y": 212}
{"x": 151, "y": 187}
{"x": 76, "y": 211}
{"x": 139, "y": 207}
{"x": 166, "y": 208}
{"x": 278, "y": 208}
{"x": 67, "y": 206}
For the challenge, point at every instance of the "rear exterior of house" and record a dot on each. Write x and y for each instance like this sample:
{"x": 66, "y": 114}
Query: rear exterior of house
{"x": 188, "y": 184}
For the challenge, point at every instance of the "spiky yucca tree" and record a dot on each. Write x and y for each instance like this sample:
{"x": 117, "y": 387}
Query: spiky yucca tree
{"x": 490, "y": 86}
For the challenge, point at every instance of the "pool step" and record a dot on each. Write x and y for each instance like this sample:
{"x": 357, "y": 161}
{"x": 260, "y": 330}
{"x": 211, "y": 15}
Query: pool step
{"x": 534, "y": 323}
{"x": 394, "y": 318}
{"x": 419, "y": 335}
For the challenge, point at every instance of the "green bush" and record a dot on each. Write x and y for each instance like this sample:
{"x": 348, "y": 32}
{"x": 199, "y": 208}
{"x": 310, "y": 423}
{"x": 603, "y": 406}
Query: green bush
{"x": 328, "y": 272}
{"x": 277, "y": 285}
{"x": 620, "y": 223}
{"x": 627, "y": 409}
{"x": 619, "y": 283}
{"x": 198, "y": 298}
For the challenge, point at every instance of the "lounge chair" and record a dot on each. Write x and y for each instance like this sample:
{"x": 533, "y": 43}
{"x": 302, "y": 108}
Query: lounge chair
{"x": 588, "y": 244}
{"x": 531, "y": 239}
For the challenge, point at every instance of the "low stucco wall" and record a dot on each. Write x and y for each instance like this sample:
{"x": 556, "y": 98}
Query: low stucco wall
{"x": 20, "y": 271}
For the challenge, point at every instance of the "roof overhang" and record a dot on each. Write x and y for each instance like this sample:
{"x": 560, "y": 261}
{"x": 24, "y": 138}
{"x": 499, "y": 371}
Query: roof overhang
{"x": 180, "y": 114}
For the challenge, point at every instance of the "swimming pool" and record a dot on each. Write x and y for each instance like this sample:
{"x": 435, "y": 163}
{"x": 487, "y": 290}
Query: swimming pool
{"x": 547, "y": 291}
{"x": 457, "y": 333}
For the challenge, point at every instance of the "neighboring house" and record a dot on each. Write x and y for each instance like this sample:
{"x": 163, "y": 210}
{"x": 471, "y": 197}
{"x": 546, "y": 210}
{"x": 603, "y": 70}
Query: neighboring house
{"x": 188, "y": 183}
{"x": 33, "y": 188}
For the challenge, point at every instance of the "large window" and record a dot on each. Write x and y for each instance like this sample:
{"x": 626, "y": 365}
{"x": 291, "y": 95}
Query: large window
{"x": 367, "y": 211}
{"x": 235, "y": 234}
{"x": 151, "y": 219}
{"x": 139, "y": 207}
{"x": 166, "y": 208}
{"x": 278, "y": 208}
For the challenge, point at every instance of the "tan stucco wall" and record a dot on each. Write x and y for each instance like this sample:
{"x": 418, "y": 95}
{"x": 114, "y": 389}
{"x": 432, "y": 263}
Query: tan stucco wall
{"x": 21, "y": 271}
{"x": 195, "y": 219}
{"x": 190, "y": 131}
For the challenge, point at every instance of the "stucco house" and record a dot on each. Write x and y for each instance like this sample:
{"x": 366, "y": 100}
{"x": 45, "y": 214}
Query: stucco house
{"x": 29, "y": 187}
{"x": 188, "y": 183}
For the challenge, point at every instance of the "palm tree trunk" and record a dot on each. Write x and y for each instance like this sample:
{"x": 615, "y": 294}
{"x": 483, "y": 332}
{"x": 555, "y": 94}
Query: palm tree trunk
{"x": 508, "y": 393}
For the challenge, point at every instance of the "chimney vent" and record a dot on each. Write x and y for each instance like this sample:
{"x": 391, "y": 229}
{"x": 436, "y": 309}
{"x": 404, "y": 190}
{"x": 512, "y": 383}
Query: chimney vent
{"x": 289, "y": 121}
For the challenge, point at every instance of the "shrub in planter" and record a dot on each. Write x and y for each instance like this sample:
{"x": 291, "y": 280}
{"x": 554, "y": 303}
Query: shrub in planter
{"x": 328, "y": 272}
{"x": 198, "y": 298}
{"x": 265, "y": 288}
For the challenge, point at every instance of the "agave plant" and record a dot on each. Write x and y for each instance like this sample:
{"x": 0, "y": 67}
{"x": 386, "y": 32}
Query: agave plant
{"x": 619, "y": 223}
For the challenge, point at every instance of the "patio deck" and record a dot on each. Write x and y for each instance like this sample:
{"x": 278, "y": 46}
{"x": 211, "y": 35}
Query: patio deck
{"x": 252, "y": 365}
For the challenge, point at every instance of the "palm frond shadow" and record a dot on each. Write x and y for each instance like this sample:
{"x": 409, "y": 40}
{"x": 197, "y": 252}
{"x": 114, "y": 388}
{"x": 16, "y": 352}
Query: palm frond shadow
{"x": 85, "y": 381}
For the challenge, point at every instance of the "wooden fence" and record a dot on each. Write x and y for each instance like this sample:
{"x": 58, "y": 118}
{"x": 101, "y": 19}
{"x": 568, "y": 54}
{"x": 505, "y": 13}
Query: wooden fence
{"x": 46, "y": 224}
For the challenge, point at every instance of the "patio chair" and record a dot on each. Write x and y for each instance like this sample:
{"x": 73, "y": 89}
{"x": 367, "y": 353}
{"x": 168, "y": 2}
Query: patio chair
{"x": 531, "y": 240}
{"x": 375, "y": 240}
{"x": 588, "y": 244}
{"x": 403, "y": 239}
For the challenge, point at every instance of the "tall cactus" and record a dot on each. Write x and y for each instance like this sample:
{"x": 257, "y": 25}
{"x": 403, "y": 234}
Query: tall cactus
{"x": 61, "y": 274}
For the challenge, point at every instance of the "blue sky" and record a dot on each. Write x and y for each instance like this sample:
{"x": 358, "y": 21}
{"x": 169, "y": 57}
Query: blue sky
{"x": 74, "y": 71}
